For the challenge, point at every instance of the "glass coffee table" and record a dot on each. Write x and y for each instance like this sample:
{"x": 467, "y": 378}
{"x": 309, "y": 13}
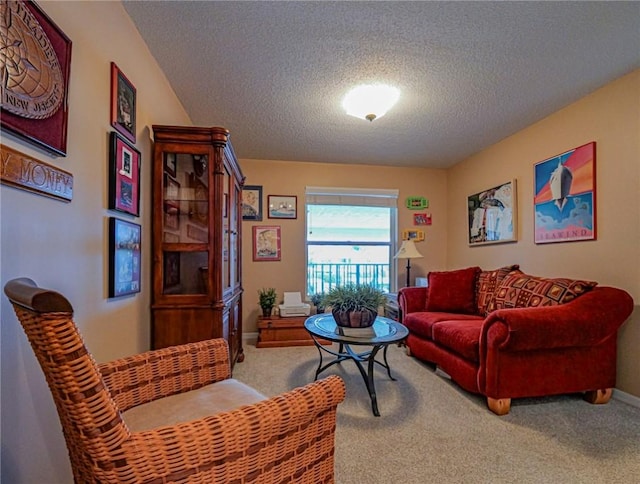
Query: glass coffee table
{"x": 379, "y": 336}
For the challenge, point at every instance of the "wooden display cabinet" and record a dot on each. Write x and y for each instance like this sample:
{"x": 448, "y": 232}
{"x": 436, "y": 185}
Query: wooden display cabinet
{"x": 196, "y": 239}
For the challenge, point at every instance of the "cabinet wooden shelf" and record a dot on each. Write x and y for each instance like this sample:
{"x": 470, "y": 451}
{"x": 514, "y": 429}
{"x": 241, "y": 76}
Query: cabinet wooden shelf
{"x": 196, "y": 239}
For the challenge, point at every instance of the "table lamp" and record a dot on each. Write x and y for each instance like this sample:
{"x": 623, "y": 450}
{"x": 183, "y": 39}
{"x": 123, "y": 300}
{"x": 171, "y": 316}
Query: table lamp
{"x": 408, "y": 251}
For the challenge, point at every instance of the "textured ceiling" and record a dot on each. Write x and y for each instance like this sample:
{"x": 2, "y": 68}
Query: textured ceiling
{"x": 470, "y": 73}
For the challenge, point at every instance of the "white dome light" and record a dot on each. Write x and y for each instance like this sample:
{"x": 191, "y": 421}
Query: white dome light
{"x": 370, "y": 101}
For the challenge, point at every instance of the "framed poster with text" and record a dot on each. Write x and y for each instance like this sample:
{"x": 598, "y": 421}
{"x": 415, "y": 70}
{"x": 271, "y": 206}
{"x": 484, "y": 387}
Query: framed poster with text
{"x": 565, "y": 196}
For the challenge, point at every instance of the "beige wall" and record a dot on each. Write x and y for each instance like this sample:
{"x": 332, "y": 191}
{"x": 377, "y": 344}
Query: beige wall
{"x": 291, "y": 178}
{"x": 611, "y": 117}
{"x": 64, "y": 246}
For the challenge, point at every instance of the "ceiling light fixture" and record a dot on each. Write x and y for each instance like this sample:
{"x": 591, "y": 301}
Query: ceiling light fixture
{"x": 370, "y": 101}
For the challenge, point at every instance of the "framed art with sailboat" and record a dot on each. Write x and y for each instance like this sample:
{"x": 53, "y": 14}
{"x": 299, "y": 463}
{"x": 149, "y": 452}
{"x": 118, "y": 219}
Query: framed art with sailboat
{"x": 565, "y": 196}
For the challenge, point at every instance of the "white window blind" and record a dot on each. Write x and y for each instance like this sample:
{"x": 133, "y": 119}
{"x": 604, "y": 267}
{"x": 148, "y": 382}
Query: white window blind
{"x": 362, "y": 197}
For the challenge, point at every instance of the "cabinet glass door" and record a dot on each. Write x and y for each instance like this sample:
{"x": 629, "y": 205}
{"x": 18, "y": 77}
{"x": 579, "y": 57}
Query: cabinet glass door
{"x": 226, "y": 230}
{"x": 185, "y": 228}
{"x": 234, "y": 219}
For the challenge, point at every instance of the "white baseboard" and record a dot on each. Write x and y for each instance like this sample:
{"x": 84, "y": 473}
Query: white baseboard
{"x": 626, "y": 398}
{"x": 251, "y": 338}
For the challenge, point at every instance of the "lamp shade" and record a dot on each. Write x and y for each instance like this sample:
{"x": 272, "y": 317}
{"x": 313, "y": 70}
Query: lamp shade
{"x": 370, "y": 101}
{"x": 408, "y": 250}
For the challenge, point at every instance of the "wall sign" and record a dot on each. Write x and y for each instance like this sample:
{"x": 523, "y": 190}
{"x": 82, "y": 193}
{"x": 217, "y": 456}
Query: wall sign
{"x": 22, "y": 171}
{"x": 36, "y": 61}
{"x": 416, "y": 203}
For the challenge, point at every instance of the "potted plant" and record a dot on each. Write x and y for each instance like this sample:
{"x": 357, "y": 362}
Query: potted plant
{"x": 316, "y": 299}
{"x": 354, "y": 305}
{"x": 267, "y": 300}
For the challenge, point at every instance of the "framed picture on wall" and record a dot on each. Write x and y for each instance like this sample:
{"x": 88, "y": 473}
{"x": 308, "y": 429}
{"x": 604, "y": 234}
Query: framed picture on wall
{"x": 123, "y": 104}
{"x": 252, "y": 202}
{"x": 416, "y": 235}
{"x": 124, "y": 257}
{"x": 266, "y": 243}
{"x": 565, "y": 196}
{"x": 36, "y": 66}
{"x": 124, "y": 176}
{"x": 492, "y": 215}
{"x": 282, "y": 206}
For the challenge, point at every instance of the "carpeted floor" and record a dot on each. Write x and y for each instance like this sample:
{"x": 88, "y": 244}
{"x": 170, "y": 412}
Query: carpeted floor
{"x": 432, "y": 431}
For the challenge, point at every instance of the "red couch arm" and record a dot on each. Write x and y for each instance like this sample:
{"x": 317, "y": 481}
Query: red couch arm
{"x": 585, "y": 321}
{"x": 412, "y": 299}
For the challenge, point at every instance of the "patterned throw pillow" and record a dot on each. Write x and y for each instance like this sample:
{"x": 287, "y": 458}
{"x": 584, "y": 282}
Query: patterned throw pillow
{"x": 453, "y": 291}
{"x": 520, "y": 290}
{"x": 488, "y": 283}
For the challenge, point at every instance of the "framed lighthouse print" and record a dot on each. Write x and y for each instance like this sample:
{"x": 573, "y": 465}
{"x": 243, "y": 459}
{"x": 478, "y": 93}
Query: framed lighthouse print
{"x": 565, "y": 196}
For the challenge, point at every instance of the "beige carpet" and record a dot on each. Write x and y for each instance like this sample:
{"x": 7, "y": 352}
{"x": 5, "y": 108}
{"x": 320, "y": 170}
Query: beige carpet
{"x": 432, "y": 431}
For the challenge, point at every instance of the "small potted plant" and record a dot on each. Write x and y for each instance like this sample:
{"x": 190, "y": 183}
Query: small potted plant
{"x": 316, "y": 299}
{"x": 354, "y": 305}
{"x": 267, "y": 300}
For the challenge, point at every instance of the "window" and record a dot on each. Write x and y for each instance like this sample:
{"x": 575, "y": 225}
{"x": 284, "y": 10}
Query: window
{"x": 350, "y": 237}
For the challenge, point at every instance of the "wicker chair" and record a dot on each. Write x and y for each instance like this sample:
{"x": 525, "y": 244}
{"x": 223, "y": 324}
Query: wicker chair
{"x": 286, "y": 438}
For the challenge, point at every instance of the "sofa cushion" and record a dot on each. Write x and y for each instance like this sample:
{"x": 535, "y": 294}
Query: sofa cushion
{"x": 462, "y": 337}
{"x": 520, "y": 290}
{"x": 421, "y": 323}
{"x": 453, "y": 291}
{"x": 488, "y": 283}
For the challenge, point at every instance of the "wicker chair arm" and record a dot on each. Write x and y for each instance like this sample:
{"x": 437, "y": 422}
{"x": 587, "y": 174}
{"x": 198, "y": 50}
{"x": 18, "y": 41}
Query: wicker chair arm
{"x": 286, "y": 435}
{"x": 155, "y": 374}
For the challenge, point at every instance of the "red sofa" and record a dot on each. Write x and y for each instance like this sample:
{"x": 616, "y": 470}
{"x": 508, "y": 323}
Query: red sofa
{"x": 505, "y": 334}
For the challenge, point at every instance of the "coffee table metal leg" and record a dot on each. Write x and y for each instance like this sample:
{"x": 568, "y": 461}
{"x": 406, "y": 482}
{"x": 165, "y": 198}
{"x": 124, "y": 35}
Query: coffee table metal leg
{"x": 318, "y": 347}
{"x": 369, "y": 381}
{"x": 386, "y": 363}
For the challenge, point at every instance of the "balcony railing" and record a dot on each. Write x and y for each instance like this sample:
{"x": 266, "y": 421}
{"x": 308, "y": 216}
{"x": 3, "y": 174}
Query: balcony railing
{"x": 323, "y": 277}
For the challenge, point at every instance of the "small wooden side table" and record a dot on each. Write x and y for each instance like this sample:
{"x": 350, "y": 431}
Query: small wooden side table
{"x": 276, "y": 331}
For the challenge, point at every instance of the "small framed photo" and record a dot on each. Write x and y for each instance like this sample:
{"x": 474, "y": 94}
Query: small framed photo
{"x": 124, "y": 176}
{"x": 416, "y": 203}
{"x": 171, "y": 215}
{"x": 171, "y": 188}
{"x": 422, "y": 218}
{"x": 266, "y": 243}
{"x": 124, "y": 257}
{"x": 171, "y": 270}
{"x": 170, "y": 164}
{"x": 199, "y": 206}
{"x": 252, "y": 202}
{"x": 413, "y": 234}
{"x": 283, "y": 206}
{"x": 123, "y": 104}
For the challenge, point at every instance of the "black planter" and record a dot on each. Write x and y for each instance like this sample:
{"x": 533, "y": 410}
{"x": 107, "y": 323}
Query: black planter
{"x": 266, "y": 312}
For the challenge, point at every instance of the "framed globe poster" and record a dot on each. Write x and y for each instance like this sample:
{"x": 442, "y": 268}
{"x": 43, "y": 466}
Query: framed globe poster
{"x": 37, "y": 60}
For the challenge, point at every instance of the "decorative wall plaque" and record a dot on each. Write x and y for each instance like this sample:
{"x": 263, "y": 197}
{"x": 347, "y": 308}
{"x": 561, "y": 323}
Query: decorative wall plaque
{"x": 22, "y": 171}
{"x": 35, "y": 65}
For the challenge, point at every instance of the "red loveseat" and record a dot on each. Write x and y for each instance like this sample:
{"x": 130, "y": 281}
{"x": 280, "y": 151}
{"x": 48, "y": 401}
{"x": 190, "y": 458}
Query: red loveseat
{"x": 505, "y": 334}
